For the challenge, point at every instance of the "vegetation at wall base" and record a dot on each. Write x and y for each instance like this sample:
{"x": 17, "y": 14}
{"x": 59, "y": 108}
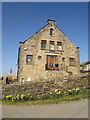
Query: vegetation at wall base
{"x": 48, "y": 91}
{"x": 50, "y": 100}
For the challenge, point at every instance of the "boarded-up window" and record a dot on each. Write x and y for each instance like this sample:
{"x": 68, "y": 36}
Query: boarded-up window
{"x": 52, "y": 45}
{"x": 29, "y": 58}
{"x": 43, "y": 44}
{"x": 59, "y": 45}
{"x": 72, "y": 61}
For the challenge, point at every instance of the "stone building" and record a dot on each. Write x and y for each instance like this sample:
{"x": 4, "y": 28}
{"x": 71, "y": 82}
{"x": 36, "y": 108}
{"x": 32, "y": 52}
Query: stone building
{"x": 85, "y": 67}
{"x": 47, "y": 54}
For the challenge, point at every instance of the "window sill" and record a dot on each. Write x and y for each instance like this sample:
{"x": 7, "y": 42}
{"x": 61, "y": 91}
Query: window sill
{"x": 73, "y": 65}
{"x": 52, "y": 35}
{"x": 43, "y": 49}
{"x": 60, "y": 50}
{"x": 29, "y": 63}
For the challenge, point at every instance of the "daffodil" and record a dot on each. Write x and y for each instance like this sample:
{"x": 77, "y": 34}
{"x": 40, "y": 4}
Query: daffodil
{"x": 56, "y": 90}
{"x": 69, "y": 90}
{"x": 77, "y": 89}
{"x": 43, "y": 94}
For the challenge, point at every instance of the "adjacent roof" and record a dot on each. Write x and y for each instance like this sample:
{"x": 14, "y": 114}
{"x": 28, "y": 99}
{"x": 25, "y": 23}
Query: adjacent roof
{"x": 85, "y": 63}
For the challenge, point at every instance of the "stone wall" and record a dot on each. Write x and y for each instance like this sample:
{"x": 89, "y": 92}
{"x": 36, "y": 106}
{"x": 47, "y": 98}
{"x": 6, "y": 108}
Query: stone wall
{"x": 47, "y": 85}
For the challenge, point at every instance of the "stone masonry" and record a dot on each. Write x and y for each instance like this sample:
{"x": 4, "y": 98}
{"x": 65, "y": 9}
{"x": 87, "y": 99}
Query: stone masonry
{"x": 47, "y": 54}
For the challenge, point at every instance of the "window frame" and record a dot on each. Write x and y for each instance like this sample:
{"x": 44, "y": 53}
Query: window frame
{"x": 43, "y": 42}
{"x": 72, "y": 61}
{"x": 52, "y": 43}
{"x": 51, "y": 31}
{"x": 52, "y": 59}
{"x": 28, "y": 57}
{"x": 59, "y": 44}
{"x": 63, "y": 59}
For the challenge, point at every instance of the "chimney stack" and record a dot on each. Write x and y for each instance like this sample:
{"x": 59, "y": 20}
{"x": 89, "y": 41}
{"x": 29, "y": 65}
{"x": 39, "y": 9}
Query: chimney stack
{"x": 50, "y": 21}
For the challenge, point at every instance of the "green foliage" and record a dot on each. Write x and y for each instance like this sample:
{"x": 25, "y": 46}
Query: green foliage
{"x": 56, "y": 94}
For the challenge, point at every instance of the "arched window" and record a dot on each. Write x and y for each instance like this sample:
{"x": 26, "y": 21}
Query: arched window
{"x": 51, "y": 31}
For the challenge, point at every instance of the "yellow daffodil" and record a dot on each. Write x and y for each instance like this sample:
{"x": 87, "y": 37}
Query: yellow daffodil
{"x": 56, "y": 90}
{"x": 77, "y": 88}
{"x": 69, "y": 90}
{"x": 50, "y": 92}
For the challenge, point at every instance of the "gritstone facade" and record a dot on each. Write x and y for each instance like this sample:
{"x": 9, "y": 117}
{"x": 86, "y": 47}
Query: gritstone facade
{"x": 47, "y": 54}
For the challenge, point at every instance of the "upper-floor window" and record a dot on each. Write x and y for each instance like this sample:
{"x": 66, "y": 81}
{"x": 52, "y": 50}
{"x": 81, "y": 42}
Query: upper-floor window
{"x": 63, "y": 59}
{"x": 25, "y": 49}
{"x": 43, "y": 44}
{"x": 72, "y": 61}
{"x": 52, "y": 45}
{"x": 29, "y": 58}
{"x": 59, "y": 45}
{"x": 51, "y": 31}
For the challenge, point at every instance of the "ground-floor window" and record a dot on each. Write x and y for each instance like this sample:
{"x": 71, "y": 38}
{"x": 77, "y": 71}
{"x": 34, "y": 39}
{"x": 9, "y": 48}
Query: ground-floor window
{"x": 52, "y": 62}
{"x": 29, "y": 58}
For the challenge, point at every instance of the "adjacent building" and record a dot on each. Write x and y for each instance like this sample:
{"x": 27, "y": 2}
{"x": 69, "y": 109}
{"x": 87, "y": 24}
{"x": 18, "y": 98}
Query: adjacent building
{"x": 47, "y": 54}
{"x": 85, "y": 66}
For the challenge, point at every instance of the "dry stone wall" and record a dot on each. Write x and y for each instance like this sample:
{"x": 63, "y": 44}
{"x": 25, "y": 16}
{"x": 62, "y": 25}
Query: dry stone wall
{"x": 48, "y": 85}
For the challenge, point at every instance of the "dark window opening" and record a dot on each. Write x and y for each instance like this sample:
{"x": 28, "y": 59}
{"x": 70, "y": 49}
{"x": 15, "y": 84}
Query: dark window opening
{"x": 51, "y": 31}
{"x": 43, "y": 44}
{"x": 52, "y": 62}
{"x": 59, "y": 45}
{"x": 39, "y": 57}
{"x": 63, "y": 59}
{"x": 29, "y": 58}
{"x": 52, "y": 44}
